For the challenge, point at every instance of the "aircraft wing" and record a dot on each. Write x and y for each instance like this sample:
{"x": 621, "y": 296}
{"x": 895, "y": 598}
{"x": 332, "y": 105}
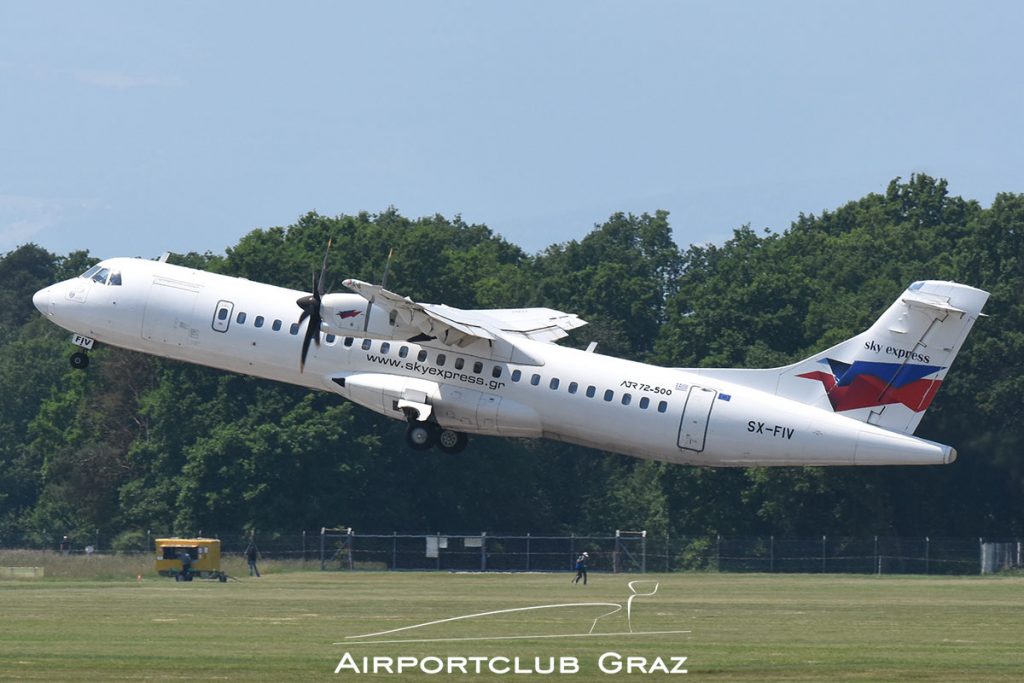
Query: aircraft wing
{"x": 459, "y": 327}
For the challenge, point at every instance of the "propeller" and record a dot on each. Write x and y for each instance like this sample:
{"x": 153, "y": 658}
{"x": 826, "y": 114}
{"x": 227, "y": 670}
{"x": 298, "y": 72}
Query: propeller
{"x": 383, "y": 285}
{"x": 310, "y": 305}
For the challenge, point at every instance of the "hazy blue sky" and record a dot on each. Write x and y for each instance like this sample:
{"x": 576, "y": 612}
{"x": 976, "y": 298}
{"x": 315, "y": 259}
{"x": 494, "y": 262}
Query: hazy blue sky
{"x": 130, "y": 128}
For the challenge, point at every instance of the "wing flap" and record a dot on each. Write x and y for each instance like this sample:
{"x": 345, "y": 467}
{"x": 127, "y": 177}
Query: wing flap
{"x": 459, "y": 327}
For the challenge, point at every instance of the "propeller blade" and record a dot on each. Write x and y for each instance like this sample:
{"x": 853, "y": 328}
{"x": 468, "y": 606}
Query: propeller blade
{"x": 383, "y": 284}
{"x": 310, "y": 305}
{"x": 319, "y": 288}
{"x": 305, "y": 348}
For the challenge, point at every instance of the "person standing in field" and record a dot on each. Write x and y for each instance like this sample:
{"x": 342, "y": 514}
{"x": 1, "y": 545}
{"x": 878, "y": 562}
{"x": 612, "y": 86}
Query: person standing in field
{"x": 581, "y": 568}
{"x": 251, "y": 555}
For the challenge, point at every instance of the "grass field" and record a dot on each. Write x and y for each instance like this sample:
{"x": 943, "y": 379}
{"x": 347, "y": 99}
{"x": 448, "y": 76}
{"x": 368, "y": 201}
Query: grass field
{"x": 743, "y": 627}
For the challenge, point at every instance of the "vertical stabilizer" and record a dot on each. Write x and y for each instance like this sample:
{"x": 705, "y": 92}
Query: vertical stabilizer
{"x": 889, "y": 374}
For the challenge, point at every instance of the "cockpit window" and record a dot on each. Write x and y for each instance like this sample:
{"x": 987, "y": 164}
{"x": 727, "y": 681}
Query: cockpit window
{"x": 104, "y": 276}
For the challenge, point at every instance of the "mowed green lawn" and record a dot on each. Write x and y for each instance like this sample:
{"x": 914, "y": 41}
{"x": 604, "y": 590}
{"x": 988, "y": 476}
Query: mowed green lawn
{"x": 285, "y": 626}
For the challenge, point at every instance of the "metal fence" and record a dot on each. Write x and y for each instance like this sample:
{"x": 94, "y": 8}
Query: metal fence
{"x": 619, "y": 551}
{"x": 639, "y": 552}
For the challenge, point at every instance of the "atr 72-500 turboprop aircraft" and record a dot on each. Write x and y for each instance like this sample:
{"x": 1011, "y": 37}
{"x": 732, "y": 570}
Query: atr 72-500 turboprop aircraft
{"x": 451, "y": 372}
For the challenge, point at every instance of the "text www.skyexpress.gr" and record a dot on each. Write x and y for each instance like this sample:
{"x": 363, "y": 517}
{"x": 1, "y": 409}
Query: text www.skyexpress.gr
{"x": 431, "y": 371}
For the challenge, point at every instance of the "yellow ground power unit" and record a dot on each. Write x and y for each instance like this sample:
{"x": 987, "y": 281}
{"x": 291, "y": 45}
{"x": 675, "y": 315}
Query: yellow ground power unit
{"x": 187, "y": 558}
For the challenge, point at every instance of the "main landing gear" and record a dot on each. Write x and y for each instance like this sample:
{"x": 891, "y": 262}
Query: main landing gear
{"x": 421, "y": 436}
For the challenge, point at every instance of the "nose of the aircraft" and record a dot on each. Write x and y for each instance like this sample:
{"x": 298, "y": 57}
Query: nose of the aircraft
{"x": 41, "y": 299}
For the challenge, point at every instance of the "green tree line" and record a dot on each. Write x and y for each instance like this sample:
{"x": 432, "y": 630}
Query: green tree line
{"x": 137, "y": 442}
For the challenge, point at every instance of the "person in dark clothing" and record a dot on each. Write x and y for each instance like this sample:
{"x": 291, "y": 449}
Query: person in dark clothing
{"x": 581, "y": 568}
{"x": 251, "y": 554}
{"x": 186, "y": 565}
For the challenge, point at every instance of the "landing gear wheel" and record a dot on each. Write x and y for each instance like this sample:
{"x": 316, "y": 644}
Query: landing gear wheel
{"x": 420, "y": 436}
{"x": 79, "y": 360}
{"x": 451, "y": 441}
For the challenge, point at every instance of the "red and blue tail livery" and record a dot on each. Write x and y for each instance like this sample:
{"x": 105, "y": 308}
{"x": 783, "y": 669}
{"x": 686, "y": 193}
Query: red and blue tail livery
{"x": 868, "y": 384}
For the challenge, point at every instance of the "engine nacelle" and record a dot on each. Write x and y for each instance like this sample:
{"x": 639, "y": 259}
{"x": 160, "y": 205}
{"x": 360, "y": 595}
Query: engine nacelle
{"x": 346, "y": 315}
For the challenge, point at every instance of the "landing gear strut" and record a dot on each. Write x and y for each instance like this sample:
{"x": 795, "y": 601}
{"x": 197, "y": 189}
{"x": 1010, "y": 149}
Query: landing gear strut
{"x": 79, "y": 360}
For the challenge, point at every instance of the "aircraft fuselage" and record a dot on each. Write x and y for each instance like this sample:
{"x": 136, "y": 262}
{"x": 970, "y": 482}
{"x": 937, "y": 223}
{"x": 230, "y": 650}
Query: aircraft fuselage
{"x": 544, "y": 390}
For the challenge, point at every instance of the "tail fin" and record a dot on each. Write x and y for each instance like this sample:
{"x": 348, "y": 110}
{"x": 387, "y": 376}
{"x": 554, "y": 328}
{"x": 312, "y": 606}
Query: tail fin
{"x": 889, "y": 374}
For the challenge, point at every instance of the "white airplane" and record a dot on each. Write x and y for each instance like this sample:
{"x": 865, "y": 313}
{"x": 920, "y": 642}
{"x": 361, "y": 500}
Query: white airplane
{"x": 449, "y": 372}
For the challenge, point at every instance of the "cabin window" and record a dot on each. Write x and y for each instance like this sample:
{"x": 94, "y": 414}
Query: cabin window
{"x": 627, "y": 399}
{"x": 222, "y": 314}
{"x": 573, "y": 387}
{"x": 366, "y": 344}
{"x": 459, "y": 363}
{"x": 89, "y": 273}
{"x": 441, "y": 358}
{"x": 591, "y": 390}
{"x": 403, "y": 351}
{"x": 553, "y": 383}
{"x": 535, "y": 380}
{"x": 516, "y": 375}
{"x": 258, "y": 322}
{"x": 100, "y": 275}
{"x": 421, "y": 356}
{"x": 662, "y": 406}
{"x": 385, "y": 347}
{"x": 294, "y": 329}
{"x": 496, "y": 371}
{"x": 348, "y": 341}
{"x": 240, "y": 318}
{"x": 115, "y": 278}
{"x": 276, "y": 326}
{"x": 478, "y": 367}
{"x": 644, "y": 402}
{"x": 330, "y": 338}
{"x": 609, "y": 394}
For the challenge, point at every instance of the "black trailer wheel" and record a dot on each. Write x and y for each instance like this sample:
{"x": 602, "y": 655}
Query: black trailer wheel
{"x": 79, "y": 360}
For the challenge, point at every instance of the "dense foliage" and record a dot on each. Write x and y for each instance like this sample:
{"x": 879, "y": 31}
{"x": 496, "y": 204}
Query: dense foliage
{"x": 139, "y": 443}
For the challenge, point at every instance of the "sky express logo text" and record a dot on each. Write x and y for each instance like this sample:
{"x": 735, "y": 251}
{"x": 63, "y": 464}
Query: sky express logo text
{"x": 432, "y": 371}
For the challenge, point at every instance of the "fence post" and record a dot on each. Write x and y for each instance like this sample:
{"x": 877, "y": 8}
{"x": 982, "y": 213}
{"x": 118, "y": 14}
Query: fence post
{"x": 823, "y": 554}
{"x": 718, "y": 552}
{"x": 668, "y": 553}
{"x": 771, "y": 554}
{"x": 351, "y": 549}
{"x": 527, "y": 551}
{"x": 927, "y": 547}
{"x": 981, "y": 555}
{"x": 322, "y": 559}
{"x": 394, "y": 550}
{"x": 616, "y": 554}
{"x": 438, "y": 563}
{"x": 878, "y": 559}
{"x": 572, "y": 550}
{"x": 643, "y": 552}
{"x": 483, "y": 551}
